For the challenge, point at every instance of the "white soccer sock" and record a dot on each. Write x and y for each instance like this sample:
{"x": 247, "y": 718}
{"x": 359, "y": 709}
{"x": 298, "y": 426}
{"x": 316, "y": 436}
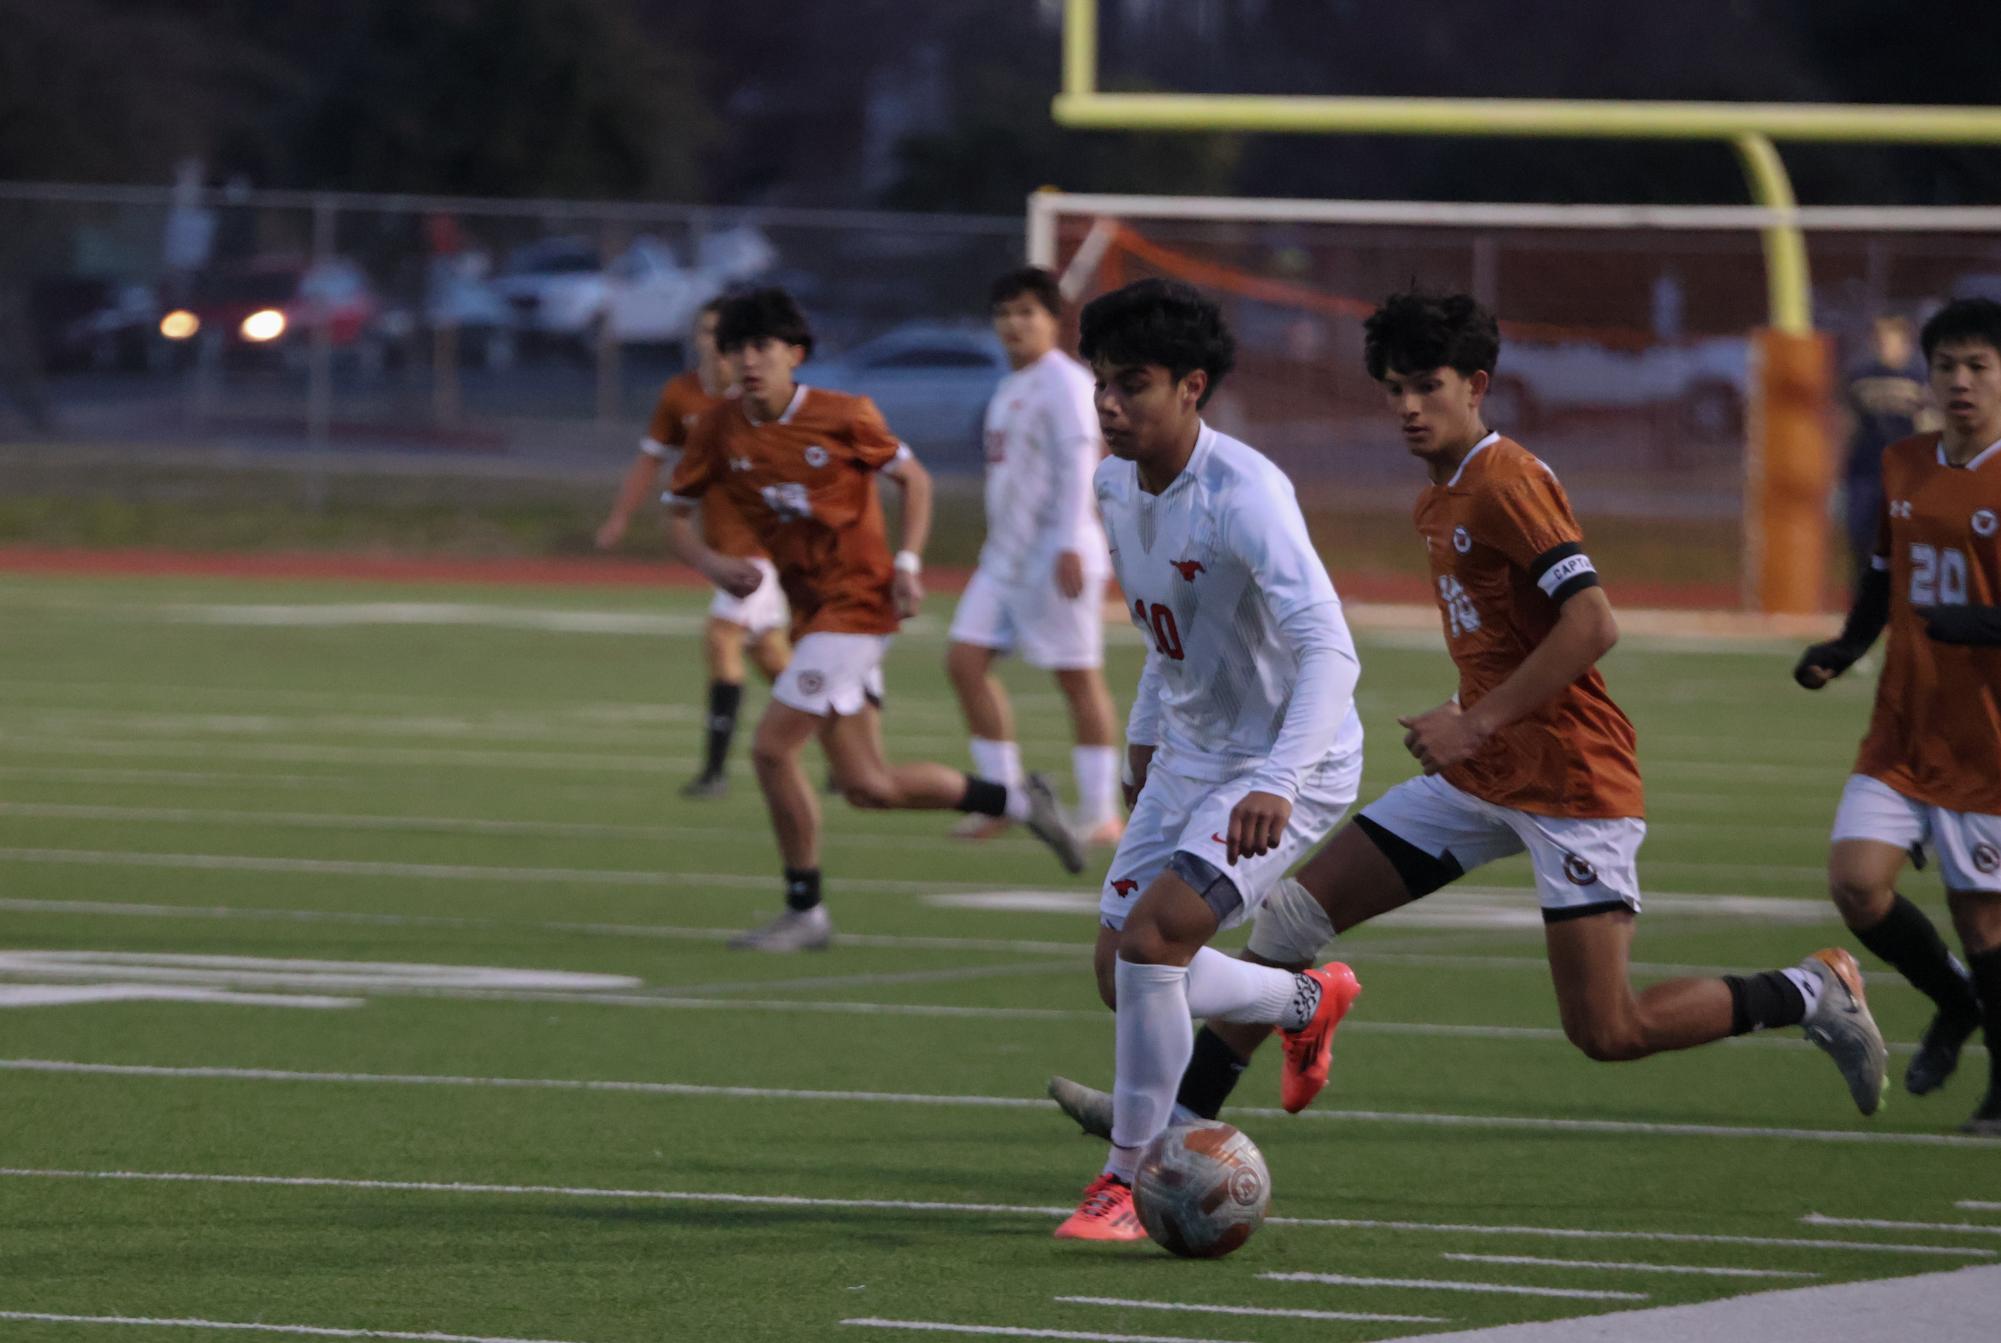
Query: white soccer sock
{"x": 1097, "y": 770}
{"x": 997, "y": 760}
{"x": 1156, "y": 1038}
{"x": 1809, "y": 985}
{"x": 1017, "y": 803}
{"x": 1227, "y": 989}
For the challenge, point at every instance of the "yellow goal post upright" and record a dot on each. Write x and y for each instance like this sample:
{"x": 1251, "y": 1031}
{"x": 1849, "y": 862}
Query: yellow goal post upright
{"x": 1795, "y": 360}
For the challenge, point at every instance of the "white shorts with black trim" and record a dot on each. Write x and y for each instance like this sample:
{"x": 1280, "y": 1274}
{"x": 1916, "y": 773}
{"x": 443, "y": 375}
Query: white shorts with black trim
{"x": 763, "y": 610}
{"x": 1032, "y": 618}
{"x": 1582, "y": 865}
{"x": 833, "y": 674}
{"x": 1179, "y": 814}
{"x": 1968, "y": 843}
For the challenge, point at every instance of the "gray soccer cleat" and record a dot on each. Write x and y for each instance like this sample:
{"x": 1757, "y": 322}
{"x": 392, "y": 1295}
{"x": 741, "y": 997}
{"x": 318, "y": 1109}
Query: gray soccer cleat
{"x": 1840, "y": 1023}
{"x": 707, "y": 785}
{"x": 794, "y": 930}
{"x": 1091, "y": 1109}
{"x": 1986, "y": 1121}
{"x": 1047, "y": 823}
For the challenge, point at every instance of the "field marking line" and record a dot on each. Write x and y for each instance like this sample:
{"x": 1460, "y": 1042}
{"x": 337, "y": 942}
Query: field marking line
{"x": 1884, "y": 1224}
{"x": 911, "y": 1205}
{"x": 86, "y": 774}
{"x": 308, "y": 1330}
{"x": 1407, "y": 1118}
{"x": 1627, "y": 1266}
{"x": 1457, "y": 1285}
{"x": 1977, "y": 1205}
{"x": 342, "y": 867}
{"x": 1016, "y": 1331}
{"x": 1277, "y": 1312}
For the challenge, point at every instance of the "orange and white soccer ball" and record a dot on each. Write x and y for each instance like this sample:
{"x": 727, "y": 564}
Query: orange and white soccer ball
{"x": 1201, "y": 1190}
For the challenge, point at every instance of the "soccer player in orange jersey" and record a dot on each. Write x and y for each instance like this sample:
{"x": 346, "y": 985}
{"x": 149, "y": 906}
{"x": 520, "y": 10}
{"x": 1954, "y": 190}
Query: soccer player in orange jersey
{"x": 1929, "y": 772}
{"x": 755, "y": 622}
{"x": 1530, "y": 754}
{"x": 800, "y": 464}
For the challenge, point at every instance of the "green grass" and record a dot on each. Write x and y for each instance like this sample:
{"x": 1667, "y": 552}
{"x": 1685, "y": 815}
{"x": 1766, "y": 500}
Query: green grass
{"x": 178, "y": 786}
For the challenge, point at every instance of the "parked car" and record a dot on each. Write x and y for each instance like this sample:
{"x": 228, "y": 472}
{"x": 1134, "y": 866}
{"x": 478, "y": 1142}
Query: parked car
{"x": 272, "y": 307}
{"x": 559, "y": 289}
{"x": 120, "y": 332}
{"x": 1703, "y": 383}
{"x": 457, "y": 296}
{"x": 932, "y": 381}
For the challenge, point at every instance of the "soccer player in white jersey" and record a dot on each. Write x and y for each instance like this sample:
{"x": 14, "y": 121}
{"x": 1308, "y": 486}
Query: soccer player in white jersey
{"x": 1243, "y": 745}
{"x": 1040, "y": 586}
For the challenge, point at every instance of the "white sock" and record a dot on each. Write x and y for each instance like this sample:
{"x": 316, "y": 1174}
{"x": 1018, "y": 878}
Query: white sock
{"x": 1809, "y": 985}
{"x": 1017, "y": 803}
{"x": 1156, "y": 1038}
{"x": 1227, "y": 989}
{"x": 997, "y": 760}
{"x": 1097, "y": 770}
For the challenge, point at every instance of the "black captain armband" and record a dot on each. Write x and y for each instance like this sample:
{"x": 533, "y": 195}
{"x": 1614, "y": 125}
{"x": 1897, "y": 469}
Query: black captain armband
{"x": 1563, "y": 571}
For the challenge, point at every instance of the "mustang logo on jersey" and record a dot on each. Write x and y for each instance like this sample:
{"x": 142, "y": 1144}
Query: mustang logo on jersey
{"x": 1125, "y": 886}
{"x": 1188, "y": 569}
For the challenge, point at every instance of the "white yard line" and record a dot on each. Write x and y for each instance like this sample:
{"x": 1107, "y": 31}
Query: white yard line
{"x": 1627, "y": 1266}
{"x": 1541, "y": 1124}
{"x": 1977, "y": 1205}
{"x": 1884, "y": 1224}
{"x": 1455, "y": 1285}
{"x": 910, "y": 1205}
{"x": 1277, "y": 1312}
{"x": 1016, "y": 1331}
{"x": 306, "y": 1330}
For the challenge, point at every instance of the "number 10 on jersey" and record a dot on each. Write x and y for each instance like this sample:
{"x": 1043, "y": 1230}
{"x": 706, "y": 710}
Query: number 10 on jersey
{"x": 1166, "y": 635}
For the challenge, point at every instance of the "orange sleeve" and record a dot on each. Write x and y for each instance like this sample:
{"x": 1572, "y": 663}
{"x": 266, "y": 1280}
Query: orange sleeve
{"x": 1526, "y": 517}
{"x": 665, "y": 427}
{"x": 869, "y": 434}
{"x": 696, "y": 469}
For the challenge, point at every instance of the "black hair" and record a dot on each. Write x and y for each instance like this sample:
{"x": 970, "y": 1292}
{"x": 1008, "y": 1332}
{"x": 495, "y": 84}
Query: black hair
{"x": 1414, "y": 331}
{"x": 714, "y": 305}
{"x": 761, "y": 313}
{"x": 1033, "y": 281}
{"x": 1158, "y": 322}
{"x": 1962, "y": 319}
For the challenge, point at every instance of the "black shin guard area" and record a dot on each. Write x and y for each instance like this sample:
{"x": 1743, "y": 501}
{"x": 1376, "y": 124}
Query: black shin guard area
{"x": 1906, "y": 940}
{"x": 984, "y": 796}
{"x": 725, "y": 698}
{"x": 1986, "y": 968}
{"x": 802, "y": 887}
{"x": 1212, "y": 1073}
{"x": 1758, "y": 1002}
{"x": 1422, "y": 874}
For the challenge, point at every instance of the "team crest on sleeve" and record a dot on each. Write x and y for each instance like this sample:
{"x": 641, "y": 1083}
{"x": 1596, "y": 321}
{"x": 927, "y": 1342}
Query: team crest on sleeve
{"x": 1580, "y": 872}
{"x": 1462, "y": 540}
{"x": 816, "y": 456}
{"x": 1985, "y": 523}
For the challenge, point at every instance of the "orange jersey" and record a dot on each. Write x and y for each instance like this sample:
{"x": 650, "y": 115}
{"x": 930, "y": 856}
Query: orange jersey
{"x": 805, "y": 482}
{"x": 682, "y": 402}
{"x": 1935, "y": 736}
{"x": 1504, "y": 548}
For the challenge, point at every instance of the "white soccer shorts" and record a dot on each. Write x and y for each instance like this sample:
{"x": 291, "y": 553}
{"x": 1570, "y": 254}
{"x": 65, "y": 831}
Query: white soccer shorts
{"x": 1177, "y": 813}
{"x": 1968, "y": 843}
{"x": 1582, "y": 865}
{"x": 1049, "y": 630}
{"x": 833, "y": 674}
{"x": 760, "y": 612}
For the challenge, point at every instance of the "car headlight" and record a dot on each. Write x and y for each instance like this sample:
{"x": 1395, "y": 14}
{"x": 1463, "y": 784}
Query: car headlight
{"x": 265, "y": 324}
{"x": 180, "y": 324}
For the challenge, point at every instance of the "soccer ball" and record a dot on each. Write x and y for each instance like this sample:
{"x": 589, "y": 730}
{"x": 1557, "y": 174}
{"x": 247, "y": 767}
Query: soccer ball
{"x": 1201, "y": 1190}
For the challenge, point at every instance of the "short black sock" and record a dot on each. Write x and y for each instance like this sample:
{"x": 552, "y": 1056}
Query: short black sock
{"x": 725, "y": 697}
{"x": 984, "y": 796}
{"x": 1910, "y": 944}
{"x": 1759, "y": 1002}
{"x": 1986, "y": 968}
{"x": 1211, "y": 1075}
{"x": 802, "y": 887}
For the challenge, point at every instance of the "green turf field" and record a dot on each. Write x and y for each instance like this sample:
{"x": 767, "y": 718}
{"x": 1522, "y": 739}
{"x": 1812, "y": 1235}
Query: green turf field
{"x": 547, "y": 1104}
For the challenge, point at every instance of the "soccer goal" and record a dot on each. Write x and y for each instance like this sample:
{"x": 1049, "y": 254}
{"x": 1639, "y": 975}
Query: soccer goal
{"x": 1703, "y": 453}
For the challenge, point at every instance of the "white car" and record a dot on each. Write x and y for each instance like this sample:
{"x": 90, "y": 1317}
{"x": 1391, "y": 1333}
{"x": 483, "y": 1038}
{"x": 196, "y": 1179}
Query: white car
{"x": 558, "y": 288}
{"x": 1704, "y": 383}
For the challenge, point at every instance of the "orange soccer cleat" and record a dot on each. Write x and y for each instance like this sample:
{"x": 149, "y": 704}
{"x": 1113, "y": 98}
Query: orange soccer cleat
{"x": 1105, "y": 1214}
{"x": 1307, "y": 1050}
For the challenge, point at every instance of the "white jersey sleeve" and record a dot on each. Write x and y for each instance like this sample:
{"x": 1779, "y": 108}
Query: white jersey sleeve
{"x": 1143, "y": 723}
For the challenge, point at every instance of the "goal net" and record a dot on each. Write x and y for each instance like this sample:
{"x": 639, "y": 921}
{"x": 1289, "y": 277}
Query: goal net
{"x": 1631, "y": 360}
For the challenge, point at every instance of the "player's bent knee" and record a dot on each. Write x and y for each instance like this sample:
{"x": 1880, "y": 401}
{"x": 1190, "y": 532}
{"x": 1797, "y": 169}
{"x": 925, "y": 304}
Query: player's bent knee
{"x": 871, "y": 793}
{"x": 1290, "y": 928}
{"x": 1607, "y": 1041}
{"x": 1143, "y": 942}
{"x": 1861, "y": 903}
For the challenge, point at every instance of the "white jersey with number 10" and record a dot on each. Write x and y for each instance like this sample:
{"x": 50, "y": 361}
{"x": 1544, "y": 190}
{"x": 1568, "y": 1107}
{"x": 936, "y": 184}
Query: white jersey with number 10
{"x": 1212, "y": 569}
